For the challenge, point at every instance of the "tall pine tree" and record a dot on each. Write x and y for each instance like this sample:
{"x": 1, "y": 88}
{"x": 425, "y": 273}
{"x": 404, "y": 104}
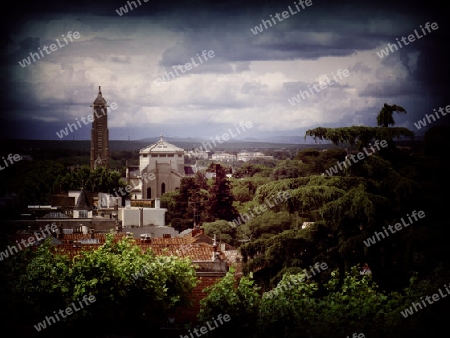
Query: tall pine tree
{"x": 221, "y": 197}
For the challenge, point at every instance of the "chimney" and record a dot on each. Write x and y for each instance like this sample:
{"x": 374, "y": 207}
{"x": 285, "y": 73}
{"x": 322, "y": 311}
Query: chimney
{"x": 157, "y": 203}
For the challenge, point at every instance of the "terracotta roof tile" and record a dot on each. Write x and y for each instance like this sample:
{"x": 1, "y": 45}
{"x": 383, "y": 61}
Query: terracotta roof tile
{"x": 179, "y": 246}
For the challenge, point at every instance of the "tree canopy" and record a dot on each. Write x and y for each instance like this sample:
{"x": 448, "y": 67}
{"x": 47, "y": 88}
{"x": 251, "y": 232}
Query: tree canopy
{"x": 358, "y": 136}
{"x": 385, "y": 118}
{"x": 97, "y": 180}
{"x": 221, "y": 197}
{"x": 300, "y": 306}
{"x": 139, "y": 290}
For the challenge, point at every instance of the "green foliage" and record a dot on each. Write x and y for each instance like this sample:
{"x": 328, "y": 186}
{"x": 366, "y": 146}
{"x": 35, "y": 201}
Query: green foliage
{"x": 270, "y": 222}
{"x": 302, "y": 307}
{"x": 102, "y": 180}
{"x": 33, "y": 182}
{"x": 358, "y": 136}
{"x": 221, "y": 197}
{"x": 242, "y": 193}
{"x": 270, "y": 255}
{"x": 312, "y": 310}
{"x": 244, "y": 188}
{"x": 307, "y": 194}
{"x": 284, "y": 154}
{"x": 44, "y": 282}
{"x": 344, "y": 211}
{"x": 201, "y": 181}
{"x": 289, "y": 307}
{"x": 222, "y": 229}
{"x": 98, "y": 180}
{"x": 169, "y": 201}
{"x": 385, "y": 118}
{"x": 238, "y": 298}
{"x": 130, "y": 286}
{"x": 319, "y": 161}
{"x": 307, "y": 155}
{"x": 250, "y": 170}
{"x": 188, "y": 202}
{"x": 359, "y": 304}
{"x": 289, "y": 169}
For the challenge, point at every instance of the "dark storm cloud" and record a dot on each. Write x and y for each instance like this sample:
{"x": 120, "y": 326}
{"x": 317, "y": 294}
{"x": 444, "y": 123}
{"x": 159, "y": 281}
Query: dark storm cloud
{"x": 293, "y": 88}
{"x": 359, "y": 67}
{"x": 316, "y": 34}
{"x": 248, "y": 71}
{"x": 392, "y": 89}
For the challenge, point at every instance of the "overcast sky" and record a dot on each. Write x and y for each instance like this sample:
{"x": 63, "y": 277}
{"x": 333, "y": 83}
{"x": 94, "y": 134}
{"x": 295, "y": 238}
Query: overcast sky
{"x": 250, "y": 78}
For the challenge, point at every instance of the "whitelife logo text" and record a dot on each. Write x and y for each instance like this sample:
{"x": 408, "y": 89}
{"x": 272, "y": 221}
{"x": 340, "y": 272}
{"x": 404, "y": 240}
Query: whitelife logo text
{"x": 411, "y": 38}
{"x": 31, "y": 240}
{"x": 242, "y": 218}
{"x": 64, "y": 313}
{"x": 188, "y": 66}
{"x": 295, "y": 279}
{"x": 360, "y": 156}
{"x": 304, "y": 94}
{"x": 417, "y": 306}
{"x": 284, "y": 14}
{"x": 225, "y": 137}
{"x": 397, "y": 226}
{"x": 53, "y": 48}
{"x": 422, "y": 123}
{"x": 90, "y": 119}
{"x": 204, "y": 329}
{"x": 122, "y": 10}
{"x": 11, "y": 158}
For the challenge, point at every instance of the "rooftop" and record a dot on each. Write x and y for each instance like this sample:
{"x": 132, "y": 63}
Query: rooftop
{"x": 74, "y": 244}
{"x": 161, "y": 147}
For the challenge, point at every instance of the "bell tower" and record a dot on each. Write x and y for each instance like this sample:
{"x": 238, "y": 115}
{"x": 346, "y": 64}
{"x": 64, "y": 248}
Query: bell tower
{"x": 99, "y": 133}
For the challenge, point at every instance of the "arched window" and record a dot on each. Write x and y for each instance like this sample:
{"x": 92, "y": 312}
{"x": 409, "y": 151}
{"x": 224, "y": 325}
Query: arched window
{"x": 163, "y": 188}
{"x": 149, "y": 193}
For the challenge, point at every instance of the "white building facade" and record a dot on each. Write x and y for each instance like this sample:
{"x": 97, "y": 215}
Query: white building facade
{"x": 161, "y": 166}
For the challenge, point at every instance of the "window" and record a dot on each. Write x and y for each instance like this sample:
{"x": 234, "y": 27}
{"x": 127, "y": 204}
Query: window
{"x": 149, "y": 193}
{"x": 83, "y": 214}
{"x": 163, "y": 188}
{"x": 145, "y": 155}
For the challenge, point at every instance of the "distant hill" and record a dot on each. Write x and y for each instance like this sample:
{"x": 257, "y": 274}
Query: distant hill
{"x": 282, "y": 139}
{"x": 121, "y": 145}
{"x": 295, "y": 139}
{"x": 24, "y": 146}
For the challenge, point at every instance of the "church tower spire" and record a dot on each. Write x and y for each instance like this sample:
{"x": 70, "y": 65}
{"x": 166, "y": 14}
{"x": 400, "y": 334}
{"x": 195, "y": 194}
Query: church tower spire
{"x": 99, "y": 133}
